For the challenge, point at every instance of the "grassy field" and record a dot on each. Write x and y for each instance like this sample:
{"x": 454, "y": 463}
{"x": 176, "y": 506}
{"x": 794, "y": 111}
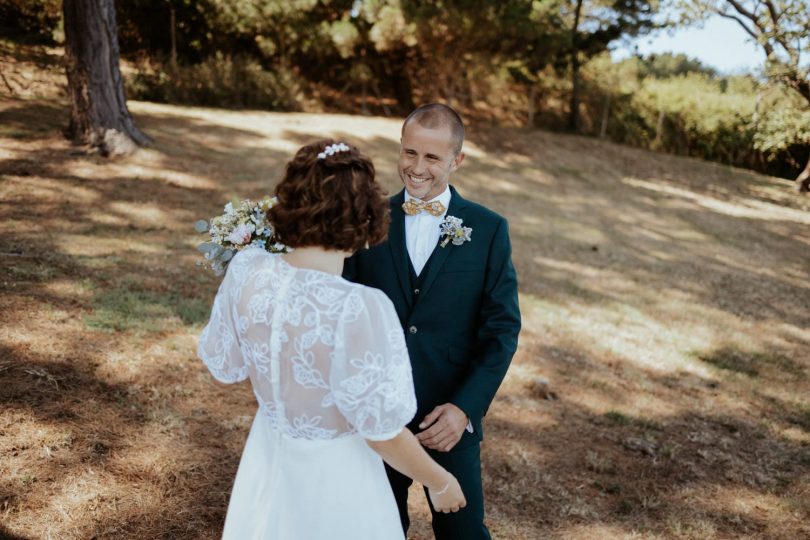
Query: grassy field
{"x": 660, "y": 389}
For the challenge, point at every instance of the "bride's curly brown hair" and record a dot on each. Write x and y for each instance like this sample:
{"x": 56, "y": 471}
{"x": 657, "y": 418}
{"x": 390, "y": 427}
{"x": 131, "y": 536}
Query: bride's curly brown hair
{"x": 331, "y": 202}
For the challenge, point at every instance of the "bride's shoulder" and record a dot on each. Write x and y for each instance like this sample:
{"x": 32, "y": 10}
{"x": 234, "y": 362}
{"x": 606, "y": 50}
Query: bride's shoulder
{"x": 250, "y": 262}
{"x": 252, "y": 256}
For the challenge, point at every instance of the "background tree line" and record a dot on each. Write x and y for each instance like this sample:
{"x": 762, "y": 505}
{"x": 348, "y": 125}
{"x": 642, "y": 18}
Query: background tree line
{"x": 539, "y": 63}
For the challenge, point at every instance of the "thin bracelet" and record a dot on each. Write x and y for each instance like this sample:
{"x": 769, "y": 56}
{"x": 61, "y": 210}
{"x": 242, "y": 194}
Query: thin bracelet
{"x": 445, "y": 488}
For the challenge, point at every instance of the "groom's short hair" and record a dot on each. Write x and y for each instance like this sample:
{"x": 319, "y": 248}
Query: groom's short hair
{"x": 438, "y": 115}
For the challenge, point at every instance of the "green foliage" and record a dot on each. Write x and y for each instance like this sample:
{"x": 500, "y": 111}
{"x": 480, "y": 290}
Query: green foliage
{"x": 671, "y": 65}
{"x": 220, "y": 81}
{"x": 782, "y": 29}
{"x": 344, "y": 34}
{"x": 34, "y": 20}
{"x": 389, "y": 29}
{"x": 701, "y": 118}
{"x": 676, "y": 106}
{"x": 786, "y": 124}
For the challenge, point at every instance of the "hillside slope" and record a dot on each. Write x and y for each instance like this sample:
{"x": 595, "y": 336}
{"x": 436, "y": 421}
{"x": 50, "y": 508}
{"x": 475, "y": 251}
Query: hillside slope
{"x": 665, "y": 304}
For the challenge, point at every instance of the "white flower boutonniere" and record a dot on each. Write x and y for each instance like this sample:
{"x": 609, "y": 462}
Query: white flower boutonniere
{"x": 453, "y": 231}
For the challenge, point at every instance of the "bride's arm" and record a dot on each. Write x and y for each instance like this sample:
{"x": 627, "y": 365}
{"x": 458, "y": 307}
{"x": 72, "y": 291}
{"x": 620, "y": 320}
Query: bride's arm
{"x": 405, "y": 454}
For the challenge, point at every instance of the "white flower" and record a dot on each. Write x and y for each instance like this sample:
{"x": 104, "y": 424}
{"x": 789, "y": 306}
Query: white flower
{"x": 241, "y": 234}
{"x": 333, "y": 149}
{"x": 452, "y": 230}
{"x": 229, "y": 208}
{"x": 452, "y": 221}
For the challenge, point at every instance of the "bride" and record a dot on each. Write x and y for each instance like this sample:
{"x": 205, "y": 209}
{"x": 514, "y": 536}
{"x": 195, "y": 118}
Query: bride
{"x": 328, "y": 365}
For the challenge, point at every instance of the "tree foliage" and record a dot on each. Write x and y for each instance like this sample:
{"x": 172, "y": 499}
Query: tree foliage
{"x": 35, "y": 20}
{"x": 539, "y": 62}
{"x": 782, "y": 30}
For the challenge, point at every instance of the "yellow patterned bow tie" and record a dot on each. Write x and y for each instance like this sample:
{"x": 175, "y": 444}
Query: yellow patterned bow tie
{"x": 414, "y": 206}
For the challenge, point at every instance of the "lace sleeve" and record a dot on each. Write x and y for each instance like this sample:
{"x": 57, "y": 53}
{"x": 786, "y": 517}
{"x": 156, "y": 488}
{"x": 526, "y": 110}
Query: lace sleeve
{"x": 219, "y": 341}
{"x": 371, "y": 377}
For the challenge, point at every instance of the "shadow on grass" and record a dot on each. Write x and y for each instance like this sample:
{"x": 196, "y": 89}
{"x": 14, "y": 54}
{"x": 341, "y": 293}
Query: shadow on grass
{"x": 750, "y": 363}
{"x": 67, "y": 429}
{"x": 31, "y": 120}
{"x": 662, "y": 474}
{"x": 5, "y": 534}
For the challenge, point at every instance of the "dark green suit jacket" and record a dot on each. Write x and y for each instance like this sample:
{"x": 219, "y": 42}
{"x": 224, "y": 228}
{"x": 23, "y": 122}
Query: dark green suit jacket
{"x": 462, "y": 327}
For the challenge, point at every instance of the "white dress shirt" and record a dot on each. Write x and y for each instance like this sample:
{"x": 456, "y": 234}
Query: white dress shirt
{"x": 422, "y": 234}
{"x": 422, "y": 231}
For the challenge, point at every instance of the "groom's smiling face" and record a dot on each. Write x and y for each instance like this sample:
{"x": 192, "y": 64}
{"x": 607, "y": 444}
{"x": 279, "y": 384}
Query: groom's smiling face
{"x": 427, "y": 158}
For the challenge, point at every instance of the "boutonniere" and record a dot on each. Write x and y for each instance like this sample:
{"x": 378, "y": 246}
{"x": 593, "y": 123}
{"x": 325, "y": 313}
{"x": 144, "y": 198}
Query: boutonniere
{"x": 453, "y": 231}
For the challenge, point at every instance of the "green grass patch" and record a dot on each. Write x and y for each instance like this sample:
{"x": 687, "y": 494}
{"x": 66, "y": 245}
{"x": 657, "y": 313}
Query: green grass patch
{"x": 750, "y": 363}
{"x": 621, "y": 419}
{"x": 30, "y": 272}
{"x": 618, "y": 418}
{"x": 800, "y": 416}
{"x": 124, "y": 308}
{"x": 731, "y": 359}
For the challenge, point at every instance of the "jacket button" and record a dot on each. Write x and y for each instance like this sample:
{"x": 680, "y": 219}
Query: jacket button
{"x": 412, "y": 329}
{"x": 416, "y": 291}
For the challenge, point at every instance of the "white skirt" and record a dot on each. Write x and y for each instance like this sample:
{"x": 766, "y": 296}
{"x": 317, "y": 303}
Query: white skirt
{"x": 294, "y": 489}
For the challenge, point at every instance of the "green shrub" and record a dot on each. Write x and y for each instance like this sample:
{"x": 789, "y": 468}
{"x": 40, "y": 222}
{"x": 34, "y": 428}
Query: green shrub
{"x": 218, "y": 81}
{"x": 34, "y": 20}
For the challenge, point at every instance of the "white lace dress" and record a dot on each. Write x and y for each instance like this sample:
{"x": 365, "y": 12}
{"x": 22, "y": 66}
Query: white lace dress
{"x": 329, "y": 367}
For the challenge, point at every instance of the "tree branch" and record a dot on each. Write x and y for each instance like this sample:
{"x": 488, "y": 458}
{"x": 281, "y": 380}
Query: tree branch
{"x": 747, "y": 14}
{"x": 10, "y": 89}
{"x": 772, "y": 10}
{"x": 775, "y": 16}
{"x": 749, "y": 31}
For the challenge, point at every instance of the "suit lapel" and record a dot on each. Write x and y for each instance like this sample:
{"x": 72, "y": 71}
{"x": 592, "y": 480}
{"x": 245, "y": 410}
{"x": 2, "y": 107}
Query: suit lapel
{"x": 456, "y": 208}
{"x": 396, "y": 242}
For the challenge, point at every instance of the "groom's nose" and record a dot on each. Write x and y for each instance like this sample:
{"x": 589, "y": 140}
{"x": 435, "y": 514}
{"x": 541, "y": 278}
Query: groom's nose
{"x": 419, "y": 166}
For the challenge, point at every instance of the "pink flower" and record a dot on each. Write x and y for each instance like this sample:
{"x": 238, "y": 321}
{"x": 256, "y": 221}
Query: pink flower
{"x": 241, "y": 234}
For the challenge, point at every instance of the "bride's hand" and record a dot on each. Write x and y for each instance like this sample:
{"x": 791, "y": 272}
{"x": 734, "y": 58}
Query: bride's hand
{"x": 448, "y": 497}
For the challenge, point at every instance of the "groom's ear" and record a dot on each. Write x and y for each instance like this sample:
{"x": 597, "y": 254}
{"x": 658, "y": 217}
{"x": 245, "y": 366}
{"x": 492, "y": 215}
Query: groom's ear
{"x": 457, "y": 161}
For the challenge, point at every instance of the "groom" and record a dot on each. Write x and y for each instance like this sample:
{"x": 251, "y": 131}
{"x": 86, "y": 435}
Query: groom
{"x": 455, "y": 291}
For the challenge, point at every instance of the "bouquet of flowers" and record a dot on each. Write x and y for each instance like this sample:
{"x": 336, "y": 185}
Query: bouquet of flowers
{"x": 237, "y": 228}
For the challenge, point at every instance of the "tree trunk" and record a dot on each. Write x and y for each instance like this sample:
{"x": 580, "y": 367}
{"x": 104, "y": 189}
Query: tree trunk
{"x": 532, "y": 106}
{"x": 605, "y": 118}
{"x": 803, "y": 180}
{"x": 99, "y": 114}
{"x": 573, "y": 115}
{"x": 401, "y": 82}
{"x": 658, "y": 143}
{"x": 173, "y": 23}
{"x": 364, "y": 98}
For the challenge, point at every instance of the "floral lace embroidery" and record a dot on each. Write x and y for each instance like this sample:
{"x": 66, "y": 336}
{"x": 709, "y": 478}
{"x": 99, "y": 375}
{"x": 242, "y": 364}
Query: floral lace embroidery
{"x": 326, "y": 357}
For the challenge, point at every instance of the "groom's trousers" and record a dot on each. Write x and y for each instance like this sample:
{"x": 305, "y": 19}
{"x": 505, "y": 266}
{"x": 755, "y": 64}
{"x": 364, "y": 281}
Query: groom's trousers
{"x": 464, "y": 462}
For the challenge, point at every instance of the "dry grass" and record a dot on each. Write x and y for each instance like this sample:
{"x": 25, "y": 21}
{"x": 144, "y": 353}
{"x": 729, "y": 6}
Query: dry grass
{"x": 660, "y": 389}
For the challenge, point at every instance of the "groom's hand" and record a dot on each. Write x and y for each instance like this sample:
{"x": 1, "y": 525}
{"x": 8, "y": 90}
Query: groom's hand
{"x": 443, "y": 427}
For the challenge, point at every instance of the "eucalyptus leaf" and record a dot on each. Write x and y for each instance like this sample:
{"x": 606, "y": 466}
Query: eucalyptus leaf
{"x": 207, "y": 247}
{"x": 201, "y": 226}
{"x": 227, "y": 255}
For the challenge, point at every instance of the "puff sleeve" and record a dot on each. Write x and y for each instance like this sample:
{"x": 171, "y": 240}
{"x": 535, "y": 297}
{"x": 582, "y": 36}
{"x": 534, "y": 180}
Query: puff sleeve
{"x": 371, "y": 381}
{"x": 219, "y": 342}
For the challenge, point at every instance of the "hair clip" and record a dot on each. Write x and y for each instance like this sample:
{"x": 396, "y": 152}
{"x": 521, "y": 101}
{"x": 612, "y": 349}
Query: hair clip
{"x": 333, "y": 149}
